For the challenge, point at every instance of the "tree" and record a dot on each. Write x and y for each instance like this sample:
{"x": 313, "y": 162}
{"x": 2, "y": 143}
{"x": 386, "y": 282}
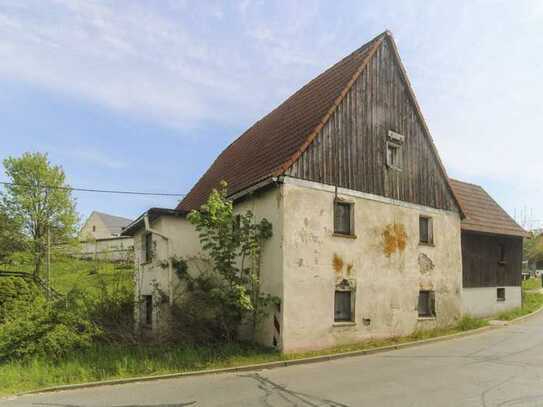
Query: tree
{"x": 11, "y": 237}
{"x": 234, "y": 244}
{"x": 40, "y": 200}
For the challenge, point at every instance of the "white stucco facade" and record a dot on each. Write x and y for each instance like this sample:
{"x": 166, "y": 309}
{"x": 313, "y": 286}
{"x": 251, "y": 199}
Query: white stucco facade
{"x": 304, "y": 261}
{"x": 484, "y": 302}
{"x": 386, "y": 281}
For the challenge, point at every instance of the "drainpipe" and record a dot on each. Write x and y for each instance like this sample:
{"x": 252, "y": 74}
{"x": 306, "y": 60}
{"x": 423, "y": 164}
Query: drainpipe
{"x": 167, "y": 239}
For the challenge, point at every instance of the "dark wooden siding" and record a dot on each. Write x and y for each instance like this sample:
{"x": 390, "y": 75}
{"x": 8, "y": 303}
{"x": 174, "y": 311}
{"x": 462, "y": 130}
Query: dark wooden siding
{"x": 481, "y": 265}
{"x": 351, "y": 148}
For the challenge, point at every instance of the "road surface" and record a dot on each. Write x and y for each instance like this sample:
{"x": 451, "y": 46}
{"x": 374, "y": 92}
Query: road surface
{"x": 502, "y": 367}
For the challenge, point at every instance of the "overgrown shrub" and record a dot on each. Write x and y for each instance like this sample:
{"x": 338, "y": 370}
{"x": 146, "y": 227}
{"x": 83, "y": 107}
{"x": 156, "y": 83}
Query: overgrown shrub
{"x": 51, "y": 328}
{"x": 14, "y": 290}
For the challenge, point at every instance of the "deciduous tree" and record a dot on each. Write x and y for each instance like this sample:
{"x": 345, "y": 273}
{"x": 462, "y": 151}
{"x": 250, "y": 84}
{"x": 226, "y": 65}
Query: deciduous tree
{"x": 39, "y": 198}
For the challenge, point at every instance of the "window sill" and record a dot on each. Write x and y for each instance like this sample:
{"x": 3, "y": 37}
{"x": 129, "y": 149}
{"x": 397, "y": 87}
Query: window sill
{"x": 500, "y": 300}
{"x": 427, "y": 244}
{"x": 345, "y": 235}
{"x": 426, "y": 318}
{"x": 344, "y": 323}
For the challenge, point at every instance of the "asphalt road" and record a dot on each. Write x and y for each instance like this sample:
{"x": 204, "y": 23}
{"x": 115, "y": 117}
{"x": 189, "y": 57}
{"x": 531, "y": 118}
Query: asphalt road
{"x": 502, "y": 367}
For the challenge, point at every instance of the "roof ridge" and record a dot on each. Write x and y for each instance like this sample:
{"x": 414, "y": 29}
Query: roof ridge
{"x": 373, "y": 46}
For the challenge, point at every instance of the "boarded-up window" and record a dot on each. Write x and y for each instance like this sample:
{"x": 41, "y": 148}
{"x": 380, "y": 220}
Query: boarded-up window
{"x": 342, "y": 306}
{"x": 147, "y": 247}
{"x": 427, "y": 304}
{"x": 343, "y": 218}
{"x": 148, "y": 309}
{"x": 500, "y": 294}
{"x": 426, "y": 231}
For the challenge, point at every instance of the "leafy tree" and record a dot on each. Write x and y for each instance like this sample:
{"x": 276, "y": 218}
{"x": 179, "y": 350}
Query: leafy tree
{"x": 39, "y": 199}
{"x": 234, "y": 245}
{"x": 11, "y": 237}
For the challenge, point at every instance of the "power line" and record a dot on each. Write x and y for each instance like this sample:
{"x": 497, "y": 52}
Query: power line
{"x": 104, "y": 191}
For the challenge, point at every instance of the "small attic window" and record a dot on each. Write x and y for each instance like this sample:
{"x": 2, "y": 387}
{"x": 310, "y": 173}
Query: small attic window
{"x": 394, "y": 150}
{"x": 93, "y": 228}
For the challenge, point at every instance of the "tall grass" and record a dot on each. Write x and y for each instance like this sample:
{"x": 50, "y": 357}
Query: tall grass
{"x": 112, "y": 361}
{"x": 531, "y": 302}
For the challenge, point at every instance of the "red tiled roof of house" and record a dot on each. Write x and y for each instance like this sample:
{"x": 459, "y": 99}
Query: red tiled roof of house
{"x": 273, "y": 143}
{"x": 483, "y": 214}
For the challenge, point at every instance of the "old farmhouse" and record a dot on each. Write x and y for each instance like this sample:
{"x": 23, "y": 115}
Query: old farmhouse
{"x": 370, "y": 238}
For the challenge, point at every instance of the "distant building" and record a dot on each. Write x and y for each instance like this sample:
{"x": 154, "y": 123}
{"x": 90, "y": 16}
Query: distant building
{"x": 101, "y": 238}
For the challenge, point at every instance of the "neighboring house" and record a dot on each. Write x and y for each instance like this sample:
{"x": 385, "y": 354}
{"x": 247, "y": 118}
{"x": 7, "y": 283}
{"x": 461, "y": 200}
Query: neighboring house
{"x": 491, "y": 253}
{"x": 366, "y": 225}
{"x": 101, "y": 238}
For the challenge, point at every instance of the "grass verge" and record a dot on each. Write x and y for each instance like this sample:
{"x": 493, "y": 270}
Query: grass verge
{"x": 104, "y": 362}
{"x": 531, "y": 302}
{"x": 533, "y": 283}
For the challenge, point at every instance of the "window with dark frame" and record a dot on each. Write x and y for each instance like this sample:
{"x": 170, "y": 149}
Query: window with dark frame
{"x": 426, "y": 305}
{"x": 148, "y": 247}
{"x": 148, "y": 309}
{"x": 342, "y": 306}
{"x": 343, "y": 223}
{"x": 426, "y": 233}
{"x": 500, "y": 294}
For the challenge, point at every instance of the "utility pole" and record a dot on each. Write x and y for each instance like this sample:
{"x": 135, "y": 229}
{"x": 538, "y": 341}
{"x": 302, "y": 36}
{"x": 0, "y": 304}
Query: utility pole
{"x": 48, "y": 258}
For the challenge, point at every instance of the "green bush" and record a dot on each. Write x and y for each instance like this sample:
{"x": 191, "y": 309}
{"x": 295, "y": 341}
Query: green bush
{"x": 14, "y": 290}
{"x": 46, "y": 328}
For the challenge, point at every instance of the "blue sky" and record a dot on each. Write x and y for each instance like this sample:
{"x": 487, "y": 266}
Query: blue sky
{"x": 144, "y": 95}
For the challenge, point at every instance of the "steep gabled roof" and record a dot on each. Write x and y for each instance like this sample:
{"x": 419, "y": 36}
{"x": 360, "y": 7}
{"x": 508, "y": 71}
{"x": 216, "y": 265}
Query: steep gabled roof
{"x": 483, "y": 214}
{"x": 274, "y": 143}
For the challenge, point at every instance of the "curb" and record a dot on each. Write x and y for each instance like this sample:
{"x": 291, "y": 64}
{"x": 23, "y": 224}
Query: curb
{"x": 280, "y": 363}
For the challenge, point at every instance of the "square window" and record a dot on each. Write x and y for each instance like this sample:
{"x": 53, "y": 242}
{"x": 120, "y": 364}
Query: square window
{"x": 147, "y": 247}
{"x": 427, "y": 304}
{"x": 148, "y": 309}
{"x": 343, "y": 223}
{"x": 343, "y": 306}
{"x": 426, "y": 232}
{"x": 500, "y": 294}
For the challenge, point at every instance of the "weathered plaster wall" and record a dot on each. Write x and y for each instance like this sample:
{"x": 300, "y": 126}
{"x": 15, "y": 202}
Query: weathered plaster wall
{"x": 385, "y": 262}
{"x": 269, "y": 204}
{"x": 482, "y": 301}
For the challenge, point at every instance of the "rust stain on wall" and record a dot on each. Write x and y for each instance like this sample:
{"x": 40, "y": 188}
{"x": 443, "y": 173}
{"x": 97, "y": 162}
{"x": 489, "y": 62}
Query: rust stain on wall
{"x": 337, "y": 263}
{"x": 349, "y": 269}
{"x": 394, "y": 238}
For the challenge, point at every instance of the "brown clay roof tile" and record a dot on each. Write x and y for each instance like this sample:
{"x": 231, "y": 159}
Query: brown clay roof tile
{"x": 483, "y": 214}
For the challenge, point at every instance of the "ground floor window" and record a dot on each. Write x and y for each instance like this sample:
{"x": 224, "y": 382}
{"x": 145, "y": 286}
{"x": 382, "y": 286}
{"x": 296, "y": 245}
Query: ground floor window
{"x": 427, "y": 304}
{"x": 148, "y": 309}
{"x": 344, "y": 302}
{"x": 500, "y": 294}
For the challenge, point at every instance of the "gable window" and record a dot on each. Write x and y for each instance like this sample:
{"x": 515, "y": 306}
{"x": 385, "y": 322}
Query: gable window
{"x": 93, "y": 228}
{"x": 427, "y": 304}
{"x": 147, "y": 247}
{"x": 394, "y": 151}
{"x": 343, "y": 218}
{"x": 344, "y": 302}
{"x": 426, "y": 232}
{"x": 148, "y": 309}
{"x": 500, "y": 294}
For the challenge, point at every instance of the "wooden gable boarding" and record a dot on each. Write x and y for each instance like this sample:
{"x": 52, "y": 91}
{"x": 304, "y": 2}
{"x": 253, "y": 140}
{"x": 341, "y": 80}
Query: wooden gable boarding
{"x": 351, "y": 147}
